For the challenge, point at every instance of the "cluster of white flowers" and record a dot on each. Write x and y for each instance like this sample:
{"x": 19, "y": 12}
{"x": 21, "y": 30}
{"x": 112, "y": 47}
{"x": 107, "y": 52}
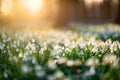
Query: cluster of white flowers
{"x": 39, "y": 51}
{"x": 91, "y": 72}
{"x": 2, "y": 46}
{"x": 92, "y": 62}
{"x": 110, "y": 59}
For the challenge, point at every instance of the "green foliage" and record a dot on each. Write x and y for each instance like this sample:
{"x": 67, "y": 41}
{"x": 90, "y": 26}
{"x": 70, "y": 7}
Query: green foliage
{"x": 59, "y": 55}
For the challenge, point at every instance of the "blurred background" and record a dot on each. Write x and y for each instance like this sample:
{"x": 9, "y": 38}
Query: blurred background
{"x": 59, "y": 12}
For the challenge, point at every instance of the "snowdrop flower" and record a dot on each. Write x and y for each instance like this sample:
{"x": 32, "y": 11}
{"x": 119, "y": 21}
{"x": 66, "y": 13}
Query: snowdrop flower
{"x": 113, "y": 47}
{"x": 41, "y": 51}
{"x": 115, "y": 64}
{"x": 80, "y": 54}
{"x": 33, "y": 40}
{"x": 109, "y": 59}
{"x": 39, "y": 71}
{"x": 83, "y": 44}
{"x": 4, "y": 40}
{"x": 4, "y": 36}
{"x": 5, "y": 75}
{"x": 26, "y": 57}
{"x": 4, "y": 51}
{"x": 31, "y": 46}
{"x": 67, "y": 49}
{"x": 92, "y": 62}
{"x": 67, "y": 43}
{"x": 59, "y": 74}
{"x": 57, "y": 52}
{"x": 20, "y": 55}
{"x": 17, "y": 50}
{"x": 38, "y": 67}
{"x": 70, "y": 63}
{"x": 51, "y": 64}
{"x": 51, "y": 77}
{"x": 77, "y": 63}
{"x": 102, "y": 45}
{"x": 57, "y": 47}
{"x": 8, "y": 47}
{"x": 73, "y": 45}
{"x": 61, "y": 60}
{"x": 95, "y": 50}
{"x": 25, "y": 68}
{"x": 93, "y": 42}
{"x": 1, "y": 46}
{"x": 34, "y": 61}
{"x": 108, "y": 43}
{"x": 8, "y": 39}
{"x": 91, "y": 72}
{"x": 14, "y": 46}
{"x": 67, "y": 78}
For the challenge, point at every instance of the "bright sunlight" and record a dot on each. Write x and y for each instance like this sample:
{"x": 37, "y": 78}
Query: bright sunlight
{"x": 60, "y": 39}
{"x": 33, "y": 5}
{"x": 6, "y": 6}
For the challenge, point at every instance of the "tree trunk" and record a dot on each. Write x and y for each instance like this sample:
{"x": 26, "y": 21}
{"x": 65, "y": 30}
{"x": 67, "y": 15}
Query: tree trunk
{"x": 107, "y": 10}
{"x": 0, "y": 12}
{"x": 62, "y": 16}
{"x": 83, "y": 12}
{"x": 118, "y": 14}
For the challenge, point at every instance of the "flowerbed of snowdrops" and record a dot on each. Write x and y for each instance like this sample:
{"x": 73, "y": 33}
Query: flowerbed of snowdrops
{"x": 60, "y": 54}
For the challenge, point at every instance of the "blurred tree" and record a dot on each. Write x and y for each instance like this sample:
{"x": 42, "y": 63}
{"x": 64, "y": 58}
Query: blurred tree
{"x": 82, "y": 11}
{"x": 118, "y": 14}
{"x": 62, "y": 17}
{"x": 107, "y": 9}
{"x": 61, "y": 14}
{"x": 0, "y": 8}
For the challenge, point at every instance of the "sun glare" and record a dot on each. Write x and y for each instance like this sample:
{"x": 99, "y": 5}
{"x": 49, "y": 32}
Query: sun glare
{"x": 6, "y": 6}
{"x": 91, "y": 1}
{"x": 33, "y": 5}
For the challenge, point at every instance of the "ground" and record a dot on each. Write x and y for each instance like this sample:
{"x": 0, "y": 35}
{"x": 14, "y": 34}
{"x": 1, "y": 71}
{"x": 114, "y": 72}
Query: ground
{"x": 78, "y": 52}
